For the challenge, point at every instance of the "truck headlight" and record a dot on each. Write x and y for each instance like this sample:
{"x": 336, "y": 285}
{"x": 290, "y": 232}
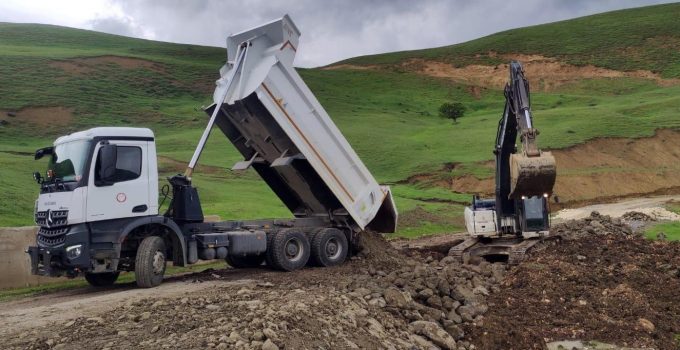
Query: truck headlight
{"x": 74, "y": 251}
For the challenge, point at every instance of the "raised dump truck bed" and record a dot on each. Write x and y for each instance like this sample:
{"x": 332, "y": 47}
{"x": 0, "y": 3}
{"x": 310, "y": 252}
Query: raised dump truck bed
{"x": 284, "y": 133}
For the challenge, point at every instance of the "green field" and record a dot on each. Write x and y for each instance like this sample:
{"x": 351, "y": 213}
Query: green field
{"x": 670, "y": 229}
{"x": 388, "y": 115}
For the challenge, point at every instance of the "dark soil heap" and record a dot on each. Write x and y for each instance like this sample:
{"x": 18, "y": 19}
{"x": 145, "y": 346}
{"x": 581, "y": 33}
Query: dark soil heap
{"x": 637, "y": 216}
{"x": 603, "y": 283}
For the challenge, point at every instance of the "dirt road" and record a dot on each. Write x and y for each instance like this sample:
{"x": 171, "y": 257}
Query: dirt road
{"x": 652, "y": 206}
{"x": 57, "y": 308}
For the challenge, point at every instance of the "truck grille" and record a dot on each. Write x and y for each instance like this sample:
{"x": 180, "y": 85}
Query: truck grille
{"x": 58, "y": 218}
{"x": 53, "y": 227}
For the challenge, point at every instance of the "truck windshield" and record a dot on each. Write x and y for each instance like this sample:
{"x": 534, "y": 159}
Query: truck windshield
{"x": 68, "y": 160}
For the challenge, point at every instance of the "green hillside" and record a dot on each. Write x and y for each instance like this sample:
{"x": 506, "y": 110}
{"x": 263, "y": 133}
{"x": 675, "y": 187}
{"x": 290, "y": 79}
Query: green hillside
{"x": 56, "y": 80}
{"x": 641, "y": 38}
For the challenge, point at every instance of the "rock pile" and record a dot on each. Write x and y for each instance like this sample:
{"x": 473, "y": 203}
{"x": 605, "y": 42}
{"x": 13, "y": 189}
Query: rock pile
{"x": 380, "y": 299}
{"x": 637, "y": 216}
{"x": 595, "y": 224}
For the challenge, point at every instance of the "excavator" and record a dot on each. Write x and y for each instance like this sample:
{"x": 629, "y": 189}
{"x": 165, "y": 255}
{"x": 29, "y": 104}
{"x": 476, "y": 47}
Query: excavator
{"x": 504, "y": 228}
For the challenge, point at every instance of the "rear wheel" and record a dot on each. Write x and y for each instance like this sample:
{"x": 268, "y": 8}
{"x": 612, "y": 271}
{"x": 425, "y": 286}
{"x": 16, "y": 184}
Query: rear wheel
{"x": 245, "y": 261}
{"x": 104, "y": 279}
{"x": 329, "y": 247}
{"x": 150, "y": 262}
{"x": 269, "y": 260}
{"x": 289, "y": 250}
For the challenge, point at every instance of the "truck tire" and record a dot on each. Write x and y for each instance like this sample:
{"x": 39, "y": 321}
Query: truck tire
{"x": 240, "y": 262}
{"x": 329, "y": 247}
{"x": 150, "y": 262}
{"x": 268, "y": 254}
{"x": 289, "y": 250}
{"x": 103, "y": 279}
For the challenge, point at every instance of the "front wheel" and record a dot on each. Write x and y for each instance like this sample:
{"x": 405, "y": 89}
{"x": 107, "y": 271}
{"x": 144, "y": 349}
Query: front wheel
{"x": 150, "y": 262}
{"x": 103, "y": 279}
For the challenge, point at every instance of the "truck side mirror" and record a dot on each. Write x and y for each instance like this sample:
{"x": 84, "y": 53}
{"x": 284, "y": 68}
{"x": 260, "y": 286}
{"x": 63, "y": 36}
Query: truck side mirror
{"x": 106, "y": 164}
{"x": 37, "y": 177}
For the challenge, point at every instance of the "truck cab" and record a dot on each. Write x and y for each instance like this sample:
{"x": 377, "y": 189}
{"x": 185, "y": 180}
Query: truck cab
{"x": 95, "y": 180}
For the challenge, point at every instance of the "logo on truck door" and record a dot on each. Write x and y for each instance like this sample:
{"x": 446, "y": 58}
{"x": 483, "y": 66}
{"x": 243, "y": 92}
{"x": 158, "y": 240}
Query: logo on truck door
{"x": 121, "y": 197}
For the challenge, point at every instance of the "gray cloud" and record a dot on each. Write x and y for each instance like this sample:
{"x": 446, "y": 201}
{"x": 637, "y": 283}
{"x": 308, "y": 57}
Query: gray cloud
{"x": 336, "y": 29}
{"x": 113, "y": 25}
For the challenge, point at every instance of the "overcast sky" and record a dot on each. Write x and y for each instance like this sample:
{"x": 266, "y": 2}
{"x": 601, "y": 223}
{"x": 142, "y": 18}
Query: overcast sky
{"x": 331, "y": 29}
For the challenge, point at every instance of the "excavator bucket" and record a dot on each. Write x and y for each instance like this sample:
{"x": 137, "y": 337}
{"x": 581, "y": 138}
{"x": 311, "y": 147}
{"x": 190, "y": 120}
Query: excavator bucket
{"x": 532, "y": 176}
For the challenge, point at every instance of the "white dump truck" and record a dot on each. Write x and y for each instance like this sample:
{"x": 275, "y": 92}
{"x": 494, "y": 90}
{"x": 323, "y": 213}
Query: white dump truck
{"x": 98, "y": 208}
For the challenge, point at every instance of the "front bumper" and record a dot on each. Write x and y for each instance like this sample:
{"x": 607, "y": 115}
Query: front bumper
{"x": 53, "y": 262}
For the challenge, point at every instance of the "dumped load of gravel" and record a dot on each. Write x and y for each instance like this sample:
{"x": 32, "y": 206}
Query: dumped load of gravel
{"x": 595, "y": 224}
{"x": 637, "y": 216}
{"x": 602, "y": 282}
{"x": 379, "y": 299}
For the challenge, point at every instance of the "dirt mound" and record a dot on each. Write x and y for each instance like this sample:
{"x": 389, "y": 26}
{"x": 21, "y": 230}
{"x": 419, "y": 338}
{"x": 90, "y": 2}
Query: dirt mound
{"x": 637, "y": 216}
{"x": 634, "y": 167}
{"x": 546, "y": 73}
{"x": 603, "y": 283}
{"x": 86, "y": 65}
{"x": 40, "y": 116}
{"x": 595, "y": 224}
{"x": 380, "y": 299}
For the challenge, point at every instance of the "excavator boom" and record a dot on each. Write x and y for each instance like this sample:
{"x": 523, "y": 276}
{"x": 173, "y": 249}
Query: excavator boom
{"x": 532, "y": 172}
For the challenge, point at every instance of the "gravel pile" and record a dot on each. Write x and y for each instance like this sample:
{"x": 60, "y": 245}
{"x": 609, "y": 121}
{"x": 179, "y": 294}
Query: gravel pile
{"x": 381, "y": 299}
{"x": 384, "y": 299}
{"x": 637, "y": 216}
{"x": 595, "y": 224}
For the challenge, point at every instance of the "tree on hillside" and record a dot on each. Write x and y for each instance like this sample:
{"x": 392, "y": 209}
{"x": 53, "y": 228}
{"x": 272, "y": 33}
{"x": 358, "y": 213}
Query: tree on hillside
{"x": 452, "y": 110}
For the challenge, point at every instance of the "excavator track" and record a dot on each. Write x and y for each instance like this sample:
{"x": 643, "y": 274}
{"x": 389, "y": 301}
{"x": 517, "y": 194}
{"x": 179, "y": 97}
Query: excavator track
{"x": 458, "y": 251}
{"x": 519, "y": 252}
{"x": 515, "y": 249}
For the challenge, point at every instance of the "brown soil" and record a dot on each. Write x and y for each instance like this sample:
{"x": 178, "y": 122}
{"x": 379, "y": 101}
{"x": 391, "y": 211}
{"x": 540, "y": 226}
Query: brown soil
{"x": 351, "y": 66}
{"x": 602, "y": 168}
{"x": 605, "y": 288}
{"x": 40, "y": 116}
{"x": 81, "y": 66}
{"x": 546, "y": 73}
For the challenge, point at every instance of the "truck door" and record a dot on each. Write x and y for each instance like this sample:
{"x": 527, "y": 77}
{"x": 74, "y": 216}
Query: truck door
{"x": 127, "y": 194}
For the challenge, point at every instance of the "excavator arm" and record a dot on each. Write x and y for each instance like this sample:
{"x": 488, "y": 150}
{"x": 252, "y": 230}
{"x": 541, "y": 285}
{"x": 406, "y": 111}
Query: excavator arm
{"x": 529, "y": 171}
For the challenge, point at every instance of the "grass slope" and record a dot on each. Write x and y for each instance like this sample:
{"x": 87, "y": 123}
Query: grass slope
{"x": 641, "y": 38}
{"x": 389, "y": 117}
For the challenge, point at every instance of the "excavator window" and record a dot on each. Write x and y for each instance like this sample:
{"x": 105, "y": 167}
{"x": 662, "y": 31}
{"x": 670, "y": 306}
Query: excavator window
{"x": 535, "y": 214}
